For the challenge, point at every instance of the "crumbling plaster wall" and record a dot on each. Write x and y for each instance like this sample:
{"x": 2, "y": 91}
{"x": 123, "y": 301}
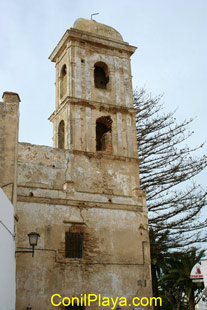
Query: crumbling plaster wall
{"x": 110, "y": 235}
{"x": 114, "y": 262}
{"x": 9, "y": 126}
{"x": 60, "y": 190}
{"x": 46, "y": 167}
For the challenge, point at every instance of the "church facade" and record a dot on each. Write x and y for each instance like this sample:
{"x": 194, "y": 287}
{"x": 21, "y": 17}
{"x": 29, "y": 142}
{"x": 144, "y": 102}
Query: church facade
{"x": 83, "y": 194}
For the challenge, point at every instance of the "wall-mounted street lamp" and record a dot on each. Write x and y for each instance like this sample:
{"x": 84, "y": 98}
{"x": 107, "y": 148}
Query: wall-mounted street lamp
{"x": 33, "y": 238}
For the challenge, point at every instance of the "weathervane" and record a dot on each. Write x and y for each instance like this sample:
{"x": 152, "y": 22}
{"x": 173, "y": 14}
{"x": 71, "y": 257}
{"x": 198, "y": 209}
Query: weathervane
{"x": 93, "y": 14}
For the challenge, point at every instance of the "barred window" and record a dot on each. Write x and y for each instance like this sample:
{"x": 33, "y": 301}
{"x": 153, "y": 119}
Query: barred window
{"x": 73, "y": 245}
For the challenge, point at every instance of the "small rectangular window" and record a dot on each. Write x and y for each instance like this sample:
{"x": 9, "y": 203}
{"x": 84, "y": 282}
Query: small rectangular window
{"x": 73, "y": 245}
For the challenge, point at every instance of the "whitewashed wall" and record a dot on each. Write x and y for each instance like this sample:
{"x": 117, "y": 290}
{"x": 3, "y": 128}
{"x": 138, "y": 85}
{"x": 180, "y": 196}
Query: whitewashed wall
{"x": 204, "y": 270}
{"x": 7, "y": 254}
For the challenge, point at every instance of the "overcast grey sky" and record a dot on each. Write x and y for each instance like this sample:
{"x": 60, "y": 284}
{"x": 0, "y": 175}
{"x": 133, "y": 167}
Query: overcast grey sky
{"x": 171, "y": 56}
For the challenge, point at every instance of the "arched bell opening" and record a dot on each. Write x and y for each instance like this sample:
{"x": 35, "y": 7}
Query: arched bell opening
{"x": 101, "y": 75}
{"x": 104, "y": 134}
{"x": 61, "y": 135}
{"x": 63, "y": 81}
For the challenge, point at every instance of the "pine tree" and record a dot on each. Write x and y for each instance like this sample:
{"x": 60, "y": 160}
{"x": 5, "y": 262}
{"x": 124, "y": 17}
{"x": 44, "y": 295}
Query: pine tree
{"x": 167, "y": 171}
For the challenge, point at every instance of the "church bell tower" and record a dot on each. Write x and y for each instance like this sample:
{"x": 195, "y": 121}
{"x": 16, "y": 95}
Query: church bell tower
{"x": 94, "y": 126}
{"x": 94, "y": 105}
{"x": 83, "y": 196}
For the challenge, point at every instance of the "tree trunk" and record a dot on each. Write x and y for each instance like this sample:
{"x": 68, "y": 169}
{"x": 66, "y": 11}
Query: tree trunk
{"x": 191, "y": 301}
{"x": 154, "y": 286}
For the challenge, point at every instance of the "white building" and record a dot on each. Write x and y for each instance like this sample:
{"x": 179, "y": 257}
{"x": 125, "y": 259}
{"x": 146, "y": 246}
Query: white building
{"x": 199, "y": 274}
{"x": 7, "y": 254}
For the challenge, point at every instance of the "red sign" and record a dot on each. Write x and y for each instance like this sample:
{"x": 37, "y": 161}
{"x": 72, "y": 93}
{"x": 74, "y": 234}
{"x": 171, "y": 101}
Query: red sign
{"x": 196, "y": 272}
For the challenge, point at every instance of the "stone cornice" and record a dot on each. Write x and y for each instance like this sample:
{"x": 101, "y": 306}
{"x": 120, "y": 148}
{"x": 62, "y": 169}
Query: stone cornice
{"x": 102, "y": 106}
{"x": 75, "y": 34}
{"x": 101, "y": 154}
{"x": 79, "y": 203}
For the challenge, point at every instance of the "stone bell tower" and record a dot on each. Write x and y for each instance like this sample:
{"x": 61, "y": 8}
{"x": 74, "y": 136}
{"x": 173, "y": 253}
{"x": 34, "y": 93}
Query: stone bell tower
{"x": 94, "y": 120}
{"x": 94, "y": 104}
{"x": 83, "y": 195}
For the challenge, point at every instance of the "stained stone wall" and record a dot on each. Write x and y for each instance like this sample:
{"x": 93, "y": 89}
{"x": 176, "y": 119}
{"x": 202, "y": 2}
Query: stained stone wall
{"x": 9, "y": 126}
{"x": 61, "y": 191}
{"x": 78, "y": 188}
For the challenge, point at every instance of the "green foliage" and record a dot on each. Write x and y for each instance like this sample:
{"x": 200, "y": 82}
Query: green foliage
{"x": 167, "y": 170}
{"x": 175, "y": 282}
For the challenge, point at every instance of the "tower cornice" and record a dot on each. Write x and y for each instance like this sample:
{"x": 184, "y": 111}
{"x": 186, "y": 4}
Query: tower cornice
{"x": 101, "y": 106}
{"x": 84, "y": 36}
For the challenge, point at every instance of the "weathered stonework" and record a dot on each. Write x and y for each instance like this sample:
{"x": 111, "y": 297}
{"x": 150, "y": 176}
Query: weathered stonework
{"x": 88, "y": 183}
{"x": 9, "y": 128}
